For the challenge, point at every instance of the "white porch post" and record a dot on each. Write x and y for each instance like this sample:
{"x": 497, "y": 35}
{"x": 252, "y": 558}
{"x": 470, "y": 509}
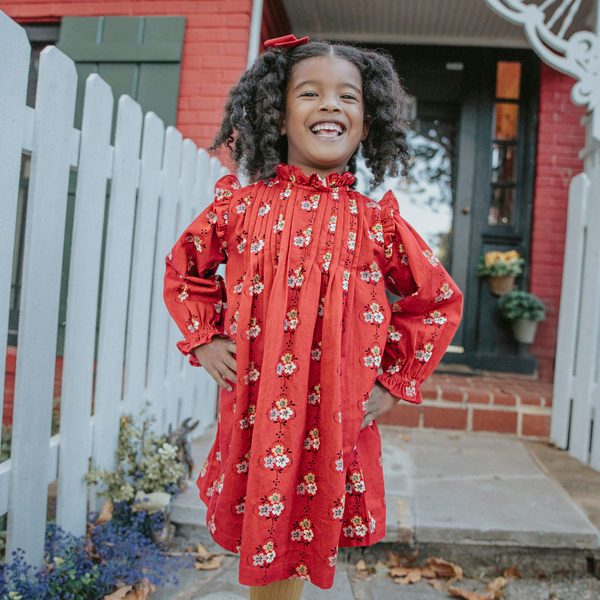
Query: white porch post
{"x": 576, "y": 390}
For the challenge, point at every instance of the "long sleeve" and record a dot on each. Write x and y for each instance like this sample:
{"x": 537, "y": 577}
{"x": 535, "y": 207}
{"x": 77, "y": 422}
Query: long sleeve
{"x": 427, "y": 314}
{"x": 194, "y": 294}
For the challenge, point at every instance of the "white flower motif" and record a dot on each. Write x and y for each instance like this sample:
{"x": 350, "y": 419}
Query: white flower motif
{"x": 242, "y": 467}
{"x": 296, "y": 535}
{"x": 241, "y": 246}
{"x": 264, "y": 510}
{"x": 269, "y": 461}
{"x": 316, "y": 354}
{"x": 332, "y": 560}
{"x": 277, "y": 509}
{"x": 240, "y": 508}
{"x": 360, "y": 530}
{"x": 263, "y": 210}
{"x": 421, "y": 355}
{"x": 237, "y": 289}
{"x": 301, "y": 488}
{"x": 281, "y": 461}
{"x": 339, "y": 465}
{"x": 348, "y": 531}
{"x": 259, "y": 559}
{"x": 256, "y": 247}
{"x": 338, "y": 512}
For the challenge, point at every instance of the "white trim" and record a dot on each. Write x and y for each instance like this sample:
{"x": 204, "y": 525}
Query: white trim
{"x": 432, "y": 40}
{"x": 255, "y": 29}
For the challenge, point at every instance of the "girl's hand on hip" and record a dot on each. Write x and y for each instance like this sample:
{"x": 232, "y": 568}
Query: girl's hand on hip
{"x": 217, "y": 358}
{"x": 380, "y": 401}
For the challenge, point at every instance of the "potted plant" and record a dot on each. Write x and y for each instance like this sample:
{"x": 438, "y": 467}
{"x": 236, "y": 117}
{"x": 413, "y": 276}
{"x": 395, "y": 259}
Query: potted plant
{"x": 500, "y": 268}
{"x": 525, "y": 311}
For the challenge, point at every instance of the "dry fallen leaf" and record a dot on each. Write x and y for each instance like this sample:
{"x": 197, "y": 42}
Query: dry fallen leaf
{"x": 361, "y": 565}
{"x": 119, "y": 594}
{"x": 466, "y": 595}
{"x": 105, "y": 513}
{"x": 512, "y": 573}
{"x": 413, "y": 576}
{"x": 213, "y": 563}
{"x": 202, "y": 549}
{"x": 428, "y": 573}
{"x": 443, "y": 568}
{"x": 498, "y": 584}
{"x": 142, "y": 592}
{"x": 393, "y": 559}
{"x": 361, "y": 575}
{"x": 398, "y": 571}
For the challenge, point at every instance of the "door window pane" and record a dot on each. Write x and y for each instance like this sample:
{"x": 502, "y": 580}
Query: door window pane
{"x": 503, "y": 163}
{"x": 507, "y": 115}
{"x": 508, "y": 80}
{"x": 501, "y": 209}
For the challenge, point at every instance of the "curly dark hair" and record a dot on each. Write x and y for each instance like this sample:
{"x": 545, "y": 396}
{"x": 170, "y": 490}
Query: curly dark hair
{"x": 250, "y": 126}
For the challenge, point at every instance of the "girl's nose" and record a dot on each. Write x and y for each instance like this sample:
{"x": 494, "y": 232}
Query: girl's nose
{"x": 330, "y": 106}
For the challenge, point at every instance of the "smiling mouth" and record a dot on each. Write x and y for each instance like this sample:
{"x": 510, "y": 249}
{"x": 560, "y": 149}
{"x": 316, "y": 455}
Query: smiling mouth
{"x": 328, "y": 130}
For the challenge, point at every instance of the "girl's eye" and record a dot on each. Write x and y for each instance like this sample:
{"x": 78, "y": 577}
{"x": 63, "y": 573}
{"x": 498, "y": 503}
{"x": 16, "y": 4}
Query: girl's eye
{"x": 307, "y": 94}
{"x": 349, "y": 96}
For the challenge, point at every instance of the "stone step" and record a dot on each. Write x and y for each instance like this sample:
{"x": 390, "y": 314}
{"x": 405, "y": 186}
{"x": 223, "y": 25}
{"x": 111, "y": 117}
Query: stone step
{"x": 478, "y": 494}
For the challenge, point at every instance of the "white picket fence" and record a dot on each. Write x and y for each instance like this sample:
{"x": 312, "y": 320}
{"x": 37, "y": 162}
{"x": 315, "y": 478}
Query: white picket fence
{"x": 159, "y": 182}
{"x": 576, "y": 403}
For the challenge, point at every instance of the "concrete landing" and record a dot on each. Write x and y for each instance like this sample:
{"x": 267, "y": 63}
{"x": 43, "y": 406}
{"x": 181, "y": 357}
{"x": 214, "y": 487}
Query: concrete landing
{"x": 445, "y": 487}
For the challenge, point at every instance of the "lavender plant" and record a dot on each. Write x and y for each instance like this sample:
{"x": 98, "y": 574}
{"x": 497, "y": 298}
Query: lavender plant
{"x": 88, "y": 568}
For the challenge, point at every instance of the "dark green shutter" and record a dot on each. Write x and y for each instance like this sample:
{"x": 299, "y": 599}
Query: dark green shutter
{"x": 138, "y": 56}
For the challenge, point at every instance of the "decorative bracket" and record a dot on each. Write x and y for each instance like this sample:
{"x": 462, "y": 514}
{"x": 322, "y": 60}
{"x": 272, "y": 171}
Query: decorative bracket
{"x": 546, "y": 28}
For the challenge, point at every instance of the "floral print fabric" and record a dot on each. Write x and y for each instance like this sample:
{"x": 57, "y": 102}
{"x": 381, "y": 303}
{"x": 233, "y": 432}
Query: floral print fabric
{"x": 291, "y": 476}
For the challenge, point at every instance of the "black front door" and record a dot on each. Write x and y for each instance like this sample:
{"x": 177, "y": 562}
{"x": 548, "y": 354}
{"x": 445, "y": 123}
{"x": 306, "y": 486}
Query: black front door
{"x": 471, "y": 185}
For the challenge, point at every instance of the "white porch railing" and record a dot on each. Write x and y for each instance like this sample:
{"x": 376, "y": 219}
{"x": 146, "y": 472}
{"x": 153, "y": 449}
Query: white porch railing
{"x": 155, "y": 194}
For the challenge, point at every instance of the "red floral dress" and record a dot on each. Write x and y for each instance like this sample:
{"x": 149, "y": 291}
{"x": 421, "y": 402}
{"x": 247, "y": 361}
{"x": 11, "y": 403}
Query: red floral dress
{"x": 291, "y": 476}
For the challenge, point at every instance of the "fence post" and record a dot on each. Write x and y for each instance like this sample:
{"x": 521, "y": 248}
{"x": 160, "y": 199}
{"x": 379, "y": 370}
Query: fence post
{"x": 80, "y": 333}
{"x": 568, "y": 318}
{"x": 14, "y": 69}
{"x": 115, "y": 284}
{"x": 142, "y": 264}
{"x": 157, "y": 357}
{"x": 42, "y": 263}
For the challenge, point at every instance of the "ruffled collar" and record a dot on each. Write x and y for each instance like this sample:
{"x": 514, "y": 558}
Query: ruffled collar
{"x": 296, "y": 175}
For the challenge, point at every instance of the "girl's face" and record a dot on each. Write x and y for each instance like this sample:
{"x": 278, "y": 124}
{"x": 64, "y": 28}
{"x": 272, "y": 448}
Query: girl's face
{"x": 325, "y": 115}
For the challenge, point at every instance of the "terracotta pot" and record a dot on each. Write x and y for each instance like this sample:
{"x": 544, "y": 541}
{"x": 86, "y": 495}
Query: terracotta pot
{"x": 524, "y": 331}
{"x": 501, "y": 285}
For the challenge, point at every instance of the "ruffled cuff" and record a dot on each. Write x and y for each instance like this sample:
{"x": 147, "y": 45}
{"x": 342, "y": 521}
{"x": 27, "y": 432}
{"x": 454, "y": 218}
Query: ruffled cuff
{"x": 405, "y": 389}
{"x": 202, "y": 336}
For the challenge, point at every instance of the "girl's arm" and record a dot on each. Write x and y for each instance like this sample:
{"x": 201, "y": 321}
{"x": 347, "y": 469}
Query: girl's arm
{"x": 194, "y": 294}
{"x": 424, "y": 320}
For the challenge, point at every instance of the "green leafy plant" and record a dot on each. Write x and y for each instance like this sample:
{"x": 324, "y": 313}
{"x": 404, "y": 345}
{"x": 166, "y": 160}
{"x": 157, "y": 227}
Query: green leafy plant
{"x": 146, "y": 463}
{"x": 521, "y": 305}
{"x": 500, "y": 264}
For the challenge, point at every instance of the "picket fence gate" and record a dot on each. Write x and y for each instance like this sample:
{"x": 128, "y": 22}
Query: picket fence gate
{"x": 158, "y": 183}
{"x": 576, "y": 403}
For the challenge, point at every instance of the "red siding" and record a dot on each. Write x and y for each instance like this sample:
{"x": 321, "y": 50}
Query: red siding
{"x": 560, "y": 138}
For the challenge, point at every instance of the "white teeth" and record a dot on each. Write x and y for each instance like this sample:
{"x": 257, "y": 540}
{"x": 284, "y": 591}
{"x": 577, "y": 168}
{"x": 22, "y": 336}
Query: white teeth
{"x": 326, "y": 127}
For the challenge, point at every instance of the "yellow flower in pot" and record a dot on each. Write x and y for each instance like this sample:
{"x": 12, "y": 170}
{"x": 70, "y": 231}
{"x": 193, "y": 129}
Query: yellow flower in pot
{"x": 500, "y": 269}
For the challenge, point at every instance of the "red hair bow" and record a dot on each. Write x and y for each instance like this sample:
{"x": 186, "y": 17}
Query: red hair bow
{"x": 286, "y": 41}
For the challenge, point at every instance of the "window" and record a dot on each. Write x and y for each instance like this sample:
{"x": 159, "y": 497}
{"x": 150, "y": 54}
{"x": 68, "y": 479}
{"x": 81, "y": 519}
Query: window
{"x": 505, "y": 134}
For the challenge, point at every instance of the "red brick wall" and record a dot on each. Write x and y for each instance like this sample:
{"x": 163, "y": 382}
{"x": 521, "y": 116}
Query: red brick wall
{"x": 214, "y": 55}
{"x": 560, "y": 138}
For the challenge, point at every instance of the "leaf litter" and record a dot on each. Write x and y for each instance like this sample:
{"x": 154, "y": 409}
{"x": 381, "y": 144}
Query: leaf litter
{"x": 441, "y": 575}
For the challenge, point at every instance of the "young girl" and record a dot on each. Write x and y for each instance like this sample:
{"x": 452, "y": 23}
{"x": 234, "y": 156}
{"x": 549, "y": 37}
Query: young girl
{"x": 298, "y": 331}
